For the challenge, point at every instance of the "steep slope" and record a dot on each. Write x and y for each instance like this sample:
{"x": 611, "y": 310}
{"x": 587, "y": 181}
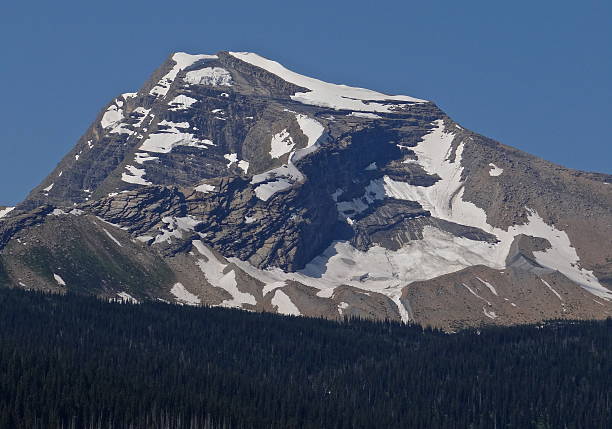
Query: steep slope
{"x": 230, "y": 180}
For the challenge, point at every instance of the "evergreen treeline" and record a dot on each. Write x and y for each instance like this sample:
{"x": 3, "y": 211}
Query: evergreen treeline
{"x": 76, "y": 362}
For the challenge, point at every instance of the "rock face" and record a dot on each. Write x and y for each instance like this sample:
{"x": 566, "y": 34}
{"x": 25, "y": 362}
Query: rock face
{"x": 230, "y": 180}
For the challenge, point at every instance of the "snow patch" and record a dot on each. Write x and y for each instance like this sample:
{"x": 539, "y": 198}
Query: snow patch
{"x": 60, "y": 281}
{"x": 474, "y": 293}
{"x": 213, "y": 76}
{"x": 271, "y": 287}
{"x": 244, "y": 165}
{"x": 489, "y": 286}
{"x": 163, "y": 141}
{"x": 135, "y": 176}
{"x": 113, "y": 118}
{"x": 365, "y": 115}
{"x": 495, "y": 170}
{"x": 374, "y": 191}
{"x": 267, "y": 190}
{"x": 175, "y": 226}
{"x": 143, "y": 113}
{"x": 326, "y": 293}
{"x": 282, "y": 178}
{"x": 126, "y": 297}
{"x": 327, "y": 94}
{"x": 142, "y": 157}
{"x": 112, "y": 115}
{"x": 284, "y": 305}
{"x": 313, "y": 130}
{"x": 181, "y": 61}
{"x": 183, "y": 296}
{"x": 173, "y": 125}
{"x": 281, "y": 144}
{"x": 205, "y": 188}
{"x": 277, "y": 180}
{"x": 213, "y": 270}
{"x": 232, "y": 158}
{"x": 112, "y": 238}
{"x": 489, "y": 313}
{"x": 181, "y": 102}
{"x": 551, "y": 289}
{"x": 6, "y": 211}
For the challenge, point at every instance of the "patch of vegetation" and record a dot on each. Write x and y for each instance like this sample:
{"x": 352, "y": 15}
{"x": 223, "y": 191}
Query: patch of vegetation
{"x": 89, "y": 267}
{"x": 92, "y": 266}
{"x": 4, "y": 277}
{"x": 40, "y": 260}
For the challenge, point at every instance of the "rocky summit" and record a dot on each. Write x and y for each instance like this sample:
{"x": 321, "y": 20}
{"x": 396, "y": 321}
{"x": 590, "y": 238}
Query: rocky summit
{"x": 229, "y": 180}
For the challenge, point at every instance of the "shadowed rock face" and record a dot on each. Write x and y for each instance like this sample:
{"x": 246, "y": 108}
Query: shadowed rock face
{"x": 228, "y": 180}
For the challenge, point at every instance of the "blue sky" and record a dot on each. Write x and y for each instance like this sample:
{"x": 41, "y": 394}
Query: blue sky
{"x": 534, "y": 75}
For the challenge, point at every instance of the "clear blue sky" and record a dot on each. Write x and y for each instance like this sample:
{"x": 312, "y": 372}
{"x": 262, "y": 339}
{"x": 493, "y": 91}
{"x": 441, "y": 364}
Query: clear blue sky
{"x": 536, "y": 75}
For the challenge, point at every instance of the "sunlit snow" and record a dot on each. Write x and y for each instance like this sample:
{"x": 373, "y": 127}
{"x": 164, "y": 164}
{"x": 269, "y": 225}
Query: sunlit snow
{"x": 183, "y": 296}
{"x": 182, "y": 61}
{"x": 126, "y": 297}
{"x": 243, "y": 165}
{"x": 488, "y": 285}
{"x": 59, "y": 280}
{"x": 112, "y": 238}
{"x": 214, "y": 76}
{"x": 175, "y": 226}
{"x": 232, "y": 158}
{"x": 495, "y": 170}
{"x": 282, "y": 178}
{"x": 5, "y": 211}
{"x": 365, "y": 115}
{"x": 551, "y": 289}
{"x": 112, "y": 115}
{"x": 205, "y": 188}
{"x": 328, "y": 94}
{"x": 164, "y": 140}
{"x": 281, "y": 144}
{"x": 283, "y": 304}
{"x": 135, "y": 176}
{"x": 141, "y": 158}
{"x": 182, "y": 102}
{"x": 215, "y": 274}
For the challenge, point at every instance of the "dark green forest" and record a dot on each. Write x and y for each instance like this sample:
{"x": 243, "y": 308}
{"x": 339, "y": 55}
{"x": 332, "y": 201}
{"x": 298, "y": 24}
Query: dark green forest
{"x": 76, "y": 362}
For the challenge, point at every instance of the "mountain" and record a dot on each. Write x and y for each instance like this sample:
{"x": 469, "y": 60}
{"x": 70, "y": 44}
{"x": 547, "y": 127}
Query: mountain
{"x": 228, "y": 180}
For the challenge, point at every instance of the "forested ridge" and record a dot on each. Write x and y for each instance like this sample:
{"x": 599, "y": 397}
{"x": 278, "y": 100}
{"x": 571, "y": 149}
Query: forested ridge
{"x": 76, "y": 362}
